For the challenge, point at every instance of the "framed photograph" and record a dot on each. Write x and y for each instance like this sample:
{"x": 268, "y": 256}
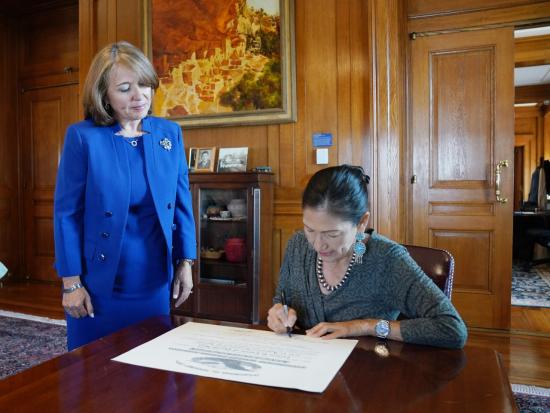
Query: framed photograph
{"x": 205, "y": 160}
{"x": 222, "y": 63}
{"x": 192, "y": 159}
{"x": 232, "y": 159}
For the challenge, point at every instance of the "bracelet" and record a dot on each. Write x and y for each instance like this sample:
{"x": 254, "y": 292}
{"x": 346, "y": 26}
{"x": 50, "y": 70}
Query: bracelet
{"x": 72, "y": 288}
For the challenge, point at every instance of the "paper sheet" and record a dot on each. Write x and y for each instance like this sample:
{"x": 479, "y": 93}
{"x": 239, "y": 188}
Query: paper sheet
{"x": 244, "y": 355}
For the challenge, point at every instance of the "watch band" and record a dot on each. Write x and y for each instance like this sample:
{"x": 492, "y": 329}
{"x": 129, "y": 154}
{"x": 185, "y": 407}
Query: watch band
{"x": 72, "y": 288}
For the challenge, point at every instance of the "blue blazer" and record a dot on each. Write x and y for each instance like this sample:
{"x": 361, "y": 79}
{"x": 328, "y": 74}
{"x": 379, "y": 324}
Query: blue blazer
{"x": 92, "y": 198}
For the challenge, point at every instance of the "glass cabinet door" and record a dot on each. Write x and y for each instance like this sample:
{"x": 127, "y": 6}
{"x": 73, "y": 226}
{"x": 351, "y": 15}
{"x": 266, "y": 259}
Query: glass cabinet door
{"x": 223, "y": 276}
{"x": 223, "y": 241}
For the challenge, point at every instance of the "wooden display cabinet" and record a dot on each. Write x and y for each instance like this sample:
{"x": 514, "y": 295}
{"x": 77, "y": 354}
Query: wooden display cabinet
{"x": 239, "y": 286}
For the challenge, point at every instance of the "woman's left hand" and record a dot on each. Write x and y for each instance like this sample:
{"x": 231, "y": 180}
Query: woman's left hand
{"x": 341, "y": 329}
{"x": 183, "y": 280}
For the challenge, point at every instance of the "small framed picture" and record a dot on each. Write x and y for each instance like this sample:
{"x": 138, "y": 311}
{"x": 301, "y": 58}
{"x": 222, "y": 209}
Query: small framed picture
{"x": 192, "y": 159}
{"x": 232, "y": 159}
{"x": 205, "y": 159}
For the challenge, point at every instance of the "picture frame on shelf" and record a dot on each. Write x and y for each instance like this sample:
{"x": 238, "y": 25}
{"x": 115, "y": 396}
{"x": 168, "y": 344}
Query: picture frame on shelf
{"x": 239, "y": 70}
{"x": 192, "y": 159}
{"x": 232, "y": 159}
{"x": 205, "y": 159}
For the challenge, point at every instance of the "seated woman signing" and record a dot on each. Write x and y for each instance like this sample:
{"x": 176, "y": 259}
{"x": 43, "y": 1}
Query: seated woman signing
{"x": 341, "y": 279}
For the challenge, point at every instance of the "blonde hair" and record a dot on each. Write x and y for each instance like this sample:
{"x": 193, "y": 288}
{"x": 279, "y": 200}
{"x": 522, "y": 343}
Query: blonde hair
{"x": 94, "y": 92}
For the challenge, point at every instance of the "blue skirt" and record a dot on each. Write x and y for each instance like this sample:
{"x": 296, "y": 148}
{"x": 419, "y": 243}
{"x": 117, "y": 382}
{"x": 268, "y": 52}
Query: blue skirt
{"x": 114, "y": 313}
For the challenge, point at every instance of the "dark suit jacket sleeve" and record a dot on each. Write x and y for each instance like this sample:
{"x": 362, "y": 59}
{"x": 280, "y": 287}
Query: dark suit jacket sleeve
{"x": 69, "y": 205}
{"x": 184, "y": 238}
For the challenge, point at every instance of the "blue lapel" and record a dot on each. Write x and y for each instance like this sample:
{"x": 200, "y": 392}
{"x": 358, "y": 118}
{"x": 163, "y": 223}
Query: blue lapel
{"x": 120, "y": 168}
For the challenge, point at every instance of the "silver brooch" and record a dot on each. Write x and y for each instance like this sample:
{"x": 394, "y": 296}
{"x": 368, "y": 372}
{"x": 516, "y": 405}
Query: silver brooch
{"x": 166, "y": 144}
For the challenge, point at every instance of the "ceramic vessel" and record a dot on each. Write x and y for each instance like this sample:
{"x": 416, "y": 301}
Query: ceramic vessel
{"x": 237, "y": 207}
{"x": 235, "y": 250}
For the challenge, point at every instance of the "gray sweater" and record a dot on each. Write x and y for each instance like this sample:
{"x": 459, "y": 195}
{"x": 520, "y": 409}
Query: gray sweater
{"x": 387, "y": 283}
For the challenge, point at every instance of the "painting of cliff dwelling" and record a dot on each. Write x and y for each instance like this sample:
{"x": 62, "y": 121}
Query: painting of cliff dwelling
{"x": 222, "y": 62}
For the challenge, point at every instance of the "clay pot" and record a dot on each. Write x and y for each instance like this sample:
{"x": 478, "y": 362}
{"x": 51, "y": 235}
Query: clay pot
{"x": 235, "y": 250}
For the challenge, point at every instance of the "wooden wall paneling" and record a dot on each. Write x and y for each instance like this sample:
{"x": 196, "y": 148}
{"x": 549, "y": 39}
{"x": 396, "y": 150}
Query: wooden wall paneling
{"x": 528, "y": 145}
{"x": 528, "y": 130}
{"x": 519, "y": 177}
{"x": 361, "y": 89}
{"x": 49, "y": 48}
{"x": 503, "y": 13}
{"x": 387, "y": 27}
{"x": 9, "y": 194}
{"x": 105, "y": 21}
{"x": 546, "y": 132}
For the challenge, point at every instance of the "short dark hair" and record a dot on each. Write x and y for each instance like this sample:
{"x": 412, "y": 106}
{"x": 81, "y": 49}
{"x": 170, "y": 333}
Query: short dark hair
{"x": 342, "y": 190}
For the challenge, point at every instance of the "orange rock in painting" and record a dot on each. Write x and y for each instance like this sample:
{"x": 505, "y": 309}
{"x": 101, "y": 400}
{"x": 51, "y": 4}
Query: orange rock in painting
{"x": 210, "y": 55}
{"x": 192, "y": 26}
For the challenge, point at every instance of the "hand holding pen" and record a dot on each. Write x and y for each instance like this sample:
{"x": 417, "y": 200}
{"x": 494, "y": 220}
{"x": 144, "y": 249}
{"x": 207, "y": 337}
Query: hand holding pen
{"x": 285, "y": 309}
{"x": 281, "y": 318}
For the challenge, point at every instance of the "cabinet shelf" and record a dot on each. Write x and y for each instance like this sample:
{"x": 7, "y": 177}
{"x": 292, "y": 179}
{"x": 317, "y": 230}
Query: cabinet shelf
{"x": 221, "y": 283}
{"x": 223, "y": 263}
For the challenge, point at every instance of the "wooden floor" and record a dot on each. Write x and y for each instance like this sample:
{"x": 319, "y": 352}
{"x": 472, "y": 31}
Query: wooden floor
{"x": 525, "y": 348}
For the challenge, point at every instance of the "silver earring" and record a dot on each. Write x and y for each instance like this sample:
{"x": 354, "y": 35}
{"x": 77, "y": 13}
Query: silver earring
{"x": 359, "y": 247}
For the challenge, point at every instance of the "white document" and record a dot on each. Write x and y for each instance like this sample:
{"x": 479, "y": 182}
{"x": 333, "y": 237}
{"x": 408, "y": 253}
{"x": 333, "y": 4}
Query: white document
{"x": 244, "y": 355}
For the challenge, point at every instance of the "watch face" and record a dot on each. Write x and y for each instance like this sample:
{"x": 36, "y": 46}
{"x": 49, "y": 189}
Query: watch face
{"x": 382, "y": 328}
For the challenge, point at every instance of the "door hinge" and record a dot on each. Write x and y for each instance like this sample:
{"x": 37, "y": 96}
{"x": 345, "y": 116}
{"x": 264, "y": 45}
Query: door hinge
{"x": 413, "y": 179}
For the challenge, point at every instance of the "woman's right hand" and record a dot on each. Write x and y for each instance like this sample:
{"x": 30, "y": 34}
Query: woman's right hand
{"x": 77, "y": 303}
{"x": 278, "y": 321}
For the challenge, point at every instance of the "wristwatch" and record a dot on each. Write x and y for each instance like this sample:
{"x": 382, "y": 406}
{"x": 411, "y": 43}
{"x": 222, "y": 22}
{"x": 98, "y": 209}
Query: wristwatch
{"x": 189, "y": 261}
{"x": 382, "y": 328}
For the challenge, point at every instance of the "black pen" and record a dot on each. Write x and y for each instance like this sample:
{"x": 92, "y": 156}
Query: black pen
{"x": 285, "y": 309}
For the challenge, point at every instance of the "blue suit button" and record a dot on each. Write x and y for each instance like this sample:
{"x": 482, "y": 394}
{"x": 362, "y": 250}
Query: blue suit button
{"x": 169, "y": 205}
{"x": 108, "y": 214}
{"x": 102, "y": 257}
{"x": 105, "y": 234}
{"x": 174, "y": 226}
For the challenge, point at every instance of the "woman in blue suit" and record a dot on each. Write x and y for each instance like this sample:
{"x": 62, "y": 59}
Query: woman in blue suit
{"x": 123, "y": 212}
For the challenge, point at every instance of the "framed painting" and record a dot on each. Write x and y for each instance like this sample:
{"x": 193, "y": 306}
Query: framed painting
{"x": 222, "y": 62}
{"x": 205, "y": 159}
{"x": 232, "y": 159}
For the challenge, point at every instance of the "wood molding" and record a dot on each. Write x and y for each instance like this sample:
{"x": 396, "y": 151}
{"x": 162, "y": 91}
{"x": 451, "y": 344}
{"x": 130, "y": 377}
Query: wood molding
{"x": 478, "y": 19}
{"x": 532, "y": 51}
{"x": 388, "y": 45}
{"x": 417, "y": 9}
{"x": 532, "y": 93}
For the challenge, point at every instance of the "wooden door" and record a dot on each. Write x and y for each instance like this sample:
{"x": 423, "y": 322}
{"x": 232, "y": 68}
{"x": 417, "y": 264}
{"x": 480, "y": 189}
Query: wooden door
{"x": 462, "y": 126}
{"x": 46, "y": 113}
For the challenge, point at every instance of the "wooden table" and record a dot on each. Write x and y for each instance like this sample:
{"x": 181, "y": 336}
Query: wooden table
{"x": 410, "y": 379}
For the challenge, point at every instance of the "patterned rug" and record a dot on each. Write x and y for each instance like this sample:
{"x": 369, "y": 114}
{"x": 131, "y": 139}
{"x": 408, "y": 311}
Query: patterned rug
{"x": 531, "y": 399}
{"x": 26, "y": 341}
{"x": 531, "y": 287}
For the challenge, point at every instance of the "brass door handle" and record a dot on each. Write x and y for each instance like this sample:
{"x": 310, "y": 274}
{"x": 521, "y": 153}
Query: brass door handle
{"x": 500, "y": 165}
